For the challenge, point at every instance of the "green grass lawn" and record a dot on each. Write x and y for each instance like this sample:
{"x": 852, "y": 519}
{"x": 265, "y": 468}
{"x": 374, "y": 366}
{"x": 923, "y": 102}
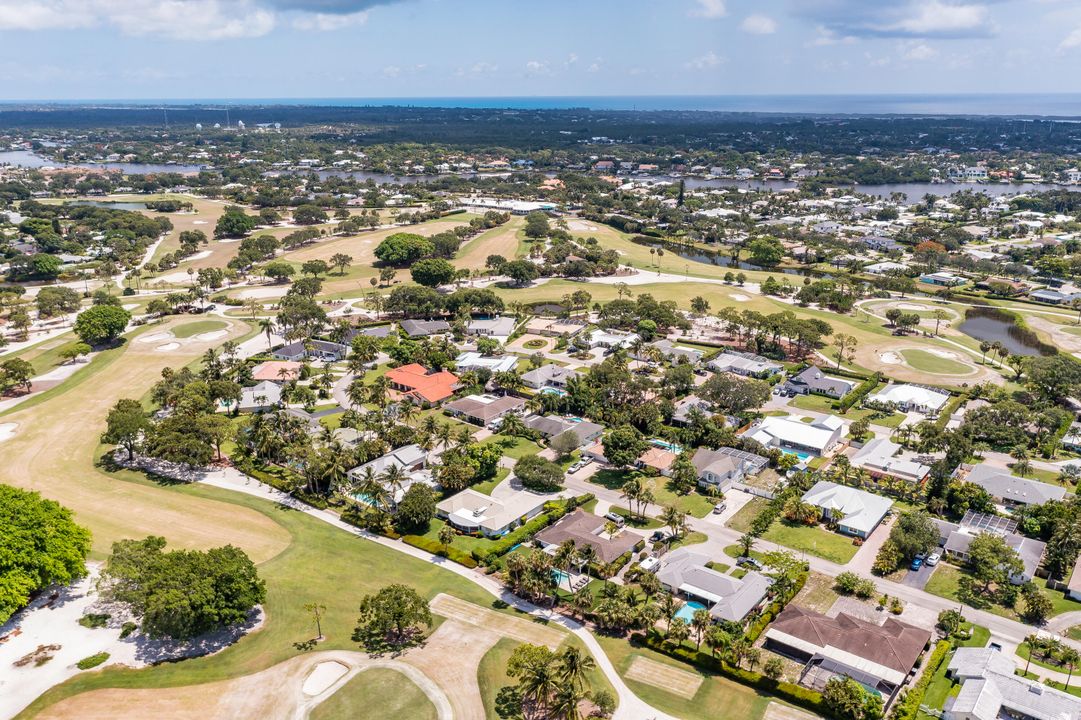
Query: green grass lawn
{"x": 487, "y": 486}
{"x": 693, "y": 504}
{"x": 514, "y": 447}
{"x": 741, "y": 521}
{"x": 636, "y": 521}
{"x": 944, "y": 583}
{"x": 737, "y": 701}
{"x": 191, "y": 329}
{"x": 813, "y": 540}
{"x": 322, "y": 564}
{"x": 397, "y": 696}
{"x": 1074, "y": 633}
{"x": 929, "y": 362}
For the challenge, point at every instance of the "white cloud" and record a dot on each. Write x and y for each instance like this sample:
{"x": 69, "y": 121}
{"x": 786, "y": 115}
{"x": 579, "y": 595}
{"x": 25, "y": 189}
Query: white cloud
{"x": 326, "y": 22}
{"x": 919, "y": 51}
{"x": 710, "y": 9}
{"x": 758, "y": 25}
{"x": 707, "y": 61}
{"x": 392, "y": 71}
{"x": 942, "y": 18}
{"x": 1072, "y": 40}
{"x": 478, "y": 68}
{"x": 536, "y": 67}
{"x": 594, "y": 67}
{"x": 900, "y": 18}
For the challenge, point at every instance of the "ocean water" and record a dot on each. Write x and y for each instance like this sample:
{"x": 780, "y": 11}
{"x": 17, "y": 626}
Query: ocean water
{"x": 1005, "y": 104}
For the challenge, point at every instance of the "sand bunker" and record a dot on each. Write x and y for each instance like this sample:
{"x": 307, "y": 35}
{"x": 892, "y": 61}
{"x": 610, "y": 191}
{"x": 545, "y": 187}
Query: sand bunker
{"x": 172, "y": 278}
{"x": 200, "y": 255}
{"x": 7, "y": 430}
{"x": 263, "y": 292}
{"x": 322, "y": 677}
{"x": 213, "y": 335}
{"x": 911, "y": 306}
{"x": 198, "y": 222}
{"x": 155, "y": 337}
{"x": 890, "y": 358}
{"x": 60, "y": 373}
{"x": 167, "y": 347}
{"x": 739, "y": 297}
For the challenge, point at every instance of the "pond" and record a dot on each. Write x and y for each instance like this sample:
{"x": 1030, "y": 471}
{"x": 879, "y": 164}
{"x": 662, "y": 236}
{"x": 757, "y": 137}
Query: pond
{"x": 992, "y": 325}
{"x": 715, "y": 257}
{"x": 28, "y": 159}
{"x": 112, "y": 205}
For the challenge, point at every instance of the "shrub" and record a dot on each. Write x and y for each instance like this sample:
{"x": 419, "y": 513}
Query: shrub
{"x": 127, "y": 629}
{"x": 93, "y": 661}
{"x": 908, "y": 707}
{"x": 95, "y": 621}
{"x": 861, "y": 391}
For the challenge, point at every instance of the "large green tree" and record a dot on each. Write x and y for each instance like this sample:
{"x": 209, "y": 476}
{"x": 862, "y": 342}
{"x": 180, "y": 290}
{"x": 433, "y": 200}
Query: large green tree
{"x": 100, "y": 324}
{"x": 403, "y": 248}
{"x": 40, "y": 545}
{"x": 432, "y": 272}
{"x": 125, "y": 425}
{"x": 539, "y": 474}
{"x": 395, "y": 616}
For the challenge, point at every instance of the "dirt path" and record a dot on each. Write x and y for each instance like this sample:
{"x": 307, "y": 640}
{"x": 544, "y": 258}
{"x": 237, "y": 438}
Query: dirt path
{"x": 53, "y": 446}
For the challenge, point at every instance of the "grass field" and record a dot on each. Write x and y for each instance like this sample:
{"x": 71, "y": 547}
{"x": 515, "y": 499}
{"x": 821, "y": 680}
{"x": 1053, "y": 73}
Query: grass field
{"x": 823, "y": 404}
{"x": 741, "y": 521}
{"x": 198, "y": 327}
{"x": 398, "y": 697}
{"x": 935, "y": 364}
{"x": 812, "y": 540}
{"x": 946, "y": 578}
{"x": 693, "y": 504}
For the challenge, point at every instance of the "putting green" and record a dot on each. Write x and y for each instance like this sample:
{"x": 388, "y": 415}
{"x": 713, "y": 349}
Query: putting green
{"x": 198, "y": 327}
{"x": 930, "y": 362}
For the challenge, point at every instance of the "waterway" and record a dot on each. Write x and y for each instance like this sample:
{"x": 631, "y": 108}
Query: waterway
{"x": 136, "y": 206}
{"x": 29, "y": 159}
{"x": 991, "y": 325}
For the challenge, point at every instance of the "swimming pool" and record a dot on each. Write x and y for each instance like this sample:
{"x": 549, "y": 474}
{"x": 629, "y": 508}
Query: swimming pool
{"x": 686, "y": 613}
{"x": 803, "y": 456}
{"x": 561, "y": 577}
{"x": 665, "y": 445}
{"x": 554, "y": 391}
{"x": 364, "y": 498}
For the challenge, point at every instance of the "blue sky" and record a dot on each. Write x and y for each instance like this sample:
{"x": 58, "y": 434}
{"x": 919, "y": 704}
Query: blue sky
{"x": 77, "y": 49}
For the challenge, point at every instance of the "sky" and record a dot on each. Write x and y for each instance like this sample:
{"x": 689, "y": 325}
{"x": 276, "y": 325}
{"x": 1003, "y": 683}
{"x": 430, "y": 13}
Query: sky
{"x": 136, "y": 49}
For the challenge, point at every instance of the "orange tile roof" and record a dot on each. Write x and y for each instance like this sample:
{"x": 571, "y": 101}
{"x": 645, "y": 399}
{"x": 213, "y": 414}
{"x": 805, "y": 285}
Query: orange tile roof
{"x": 424, "y": 384}
{"x": 657, "y": 458}
{"x": 271, "y": 370}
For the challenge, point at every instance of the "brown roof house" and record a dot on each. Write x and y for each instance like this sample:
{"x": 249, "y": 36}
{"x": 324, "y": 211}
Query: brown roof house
{"x": 588, "y": 529}
{"x": 484, "y": 410}
{"x": 878, "y": 656}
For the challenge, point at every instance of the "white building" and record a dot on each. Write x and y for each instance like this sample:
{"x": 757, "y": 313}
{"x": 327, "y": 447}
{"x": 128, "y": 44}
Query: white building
{"x": 857, "y": 512}
{"x": 475, "y": 361}
{"x": 907, "y": 398}
{"x": 791, "y": 435}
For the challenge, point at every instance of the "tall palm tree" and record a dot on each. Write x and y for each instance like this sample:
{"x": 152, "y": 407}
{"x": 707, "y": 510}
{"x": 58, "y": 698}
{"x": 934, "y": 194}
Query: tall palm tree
{"x": 393, "y": 478}
{"x": 574, "y": 667}
{"x": 563, "y": 557}
{"x": 1031, "y": 641}
{"x": 444, "y": 433}
{"x": 700, "y": 621}
{"x": 267, "y": 326}
{"x": 1070, "y": 658}
{"x": 632, "y": 491}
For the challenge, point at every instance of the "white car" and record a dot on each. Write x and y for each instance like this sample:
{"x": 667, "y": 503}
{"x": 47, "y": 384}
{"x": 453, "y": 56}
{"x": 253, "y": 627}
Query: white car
{"x": 932, "y": 559}
{"x": 649, "y": 564}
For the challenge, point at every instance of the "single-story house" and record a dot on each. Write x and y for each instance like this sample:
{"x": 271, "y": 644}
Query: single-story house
{"x": 813, "y": 380}
{"x": 877, "y": 656}
{"x": 746, "y": 364}
{"x": 687, "y": 407}
{"x": 725, "y": 466}
{"x": 492, "y": 327}
{"x": 473, "y": 512}
{"x": 373, "y": 331}
{"x": 484, "y": 410}
{"x": 611, "y": 339}
{"x": 1073, "y": 587}
{"x": 885, "y": 268}
{"x": 791, "y": 435}
{"x": 657, "y": 458}
{"x": 550, "y": 375}
{"x": 944, "y": 279}
{"x": 1008, "y": 489}
{"x": 683, "y": 572}
{"x": 912, "y": 398}
{"x": 586, "y": 529}
{"x": 421, "y": 385}
{"x": 1053, "y": 297}
{"x": 260, "y": 397}
{"x": 319, "y": 350}
{"x": 672, "y": 352}
{"x": 955, "y": 539}
{"x": 411, "y": 460}
{"x": 555, "y": 327}
{"x": 475, "y": 361}
{"x": 991, "y": 689}
{"x": 879, "y": 457}
{"x": 551, "y": 426}
{"x": 277, "y": 371}
{"x": 424, "y": 328}
{"x": 857, "y": 512}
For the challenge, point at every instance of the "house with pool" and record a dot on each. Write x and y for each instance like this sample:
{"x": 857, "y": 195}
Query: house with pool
{"x": 476, "y": 513}
{"x": 685, "y": 573}
{"x": 795, "y": 437}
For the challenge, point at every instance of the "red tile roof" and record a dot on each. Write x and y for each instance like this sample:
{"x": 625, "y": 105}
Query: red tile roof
{"x": 425, "y": 384}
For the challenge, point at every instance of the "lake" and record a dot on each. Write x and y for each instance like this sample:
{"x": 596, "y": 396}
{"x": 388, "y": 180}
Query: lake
{"x": 715, "y": 257}
{"x": 29, "y": 159}
{"x": 117, "y": 205}
{"x": 992, "y": 325}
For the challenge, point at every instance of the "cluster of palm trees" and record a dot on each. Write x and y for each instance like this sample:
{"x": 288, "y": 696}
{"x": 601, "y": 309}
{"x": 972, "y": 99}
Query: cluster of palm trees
{"x": 1053, "y": 649}
{"x": 552, "y": 685}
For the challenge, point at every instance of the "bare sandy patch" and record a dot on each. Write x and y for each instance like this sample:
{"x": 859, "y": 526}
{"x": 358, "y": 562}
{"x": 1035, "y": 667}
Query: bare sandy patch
{"x": 155, "y": 337}
{"x": 322, "y": 677}
{"x": 450, "y": 657}
{"x": 676, "y": 681}
{"x": 167, "y": 347}
{"x": 512, "y": 627}
{"x": 7, "y": 430}
{"x": 263, "y": 292}
{"x": 739, "y": 297}
{"x": 911, "y": 306}
{"x": 213, "y": 335}
{"x": 200, "y": 255}
{"x": 777, "y": 711}
{"x": 890, "y": 358}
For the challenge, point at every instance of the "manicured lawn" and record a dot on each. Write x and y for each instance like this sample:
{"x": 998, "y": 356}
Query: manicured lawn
{"x": 1074, "y": 633}
{"x": 823, "y": 404}
{"x": 397, "y": 696}
{"x": 198, "y": 327}
{"x": 514, "y": 447}
{"x": 737, "y": 701}
{"x": 812, "y": 540}
{"x": 693, "y": 504}
{"x": 487, "y": 486}
{"x": 931, "y": 363}
{"x": 944, "y": 583}
{"x": 635, "y": 521}
{"x": 741, "y": 521}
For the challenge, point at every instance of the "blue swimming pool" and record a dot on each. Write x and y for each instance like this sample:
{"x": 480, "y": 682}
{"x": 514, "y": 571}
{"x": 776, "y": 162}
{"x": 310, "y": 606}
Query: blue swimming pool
{"x": 554, "y": 391}
{"x": 364, "y": 498}
{"x": 665, "y": 445}
{"x": 560, "y": 577}
{"x": 686, "y": 613}
{"x": 803, "y": 456}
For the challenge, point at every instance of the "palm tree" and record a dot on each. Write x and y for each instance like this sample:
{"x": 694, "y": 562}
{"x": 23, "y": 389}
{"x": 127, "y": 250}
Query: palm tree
{"x": 565, "y": 703}
{"x": 1031, "y": 641}
{"x": 1069, "y": 657}
{"x": 718, "y": 639}
{"x": 586, "y": 556}
{"x": 746, "y": 543}
{"x": 674, "y": 519}
{"x": 563, "y": 557}
{"x": 393, "y": 478}
{"x": 668, "y": 610}
{"x": 700, "y": 621}
{"x": 583, "y": 600}
{"x": 444, "y": 433}
{"x": 632, "y": 491}
{"x": 267, "y": 326}
{"x": 573, "y": 668}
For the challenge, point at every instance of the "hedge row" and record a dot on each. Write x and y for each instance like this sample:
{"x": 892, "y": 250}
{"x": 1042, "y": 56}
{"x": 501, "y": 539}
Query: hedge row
{"x": 789, "y": 692}
{"x": 352, "y": 515}
{"x": 433, "y": 546}
{"x": 948, "y": 410}
{"x": 247, "y": 467}
{"x": 908, "y": 707}
{"x": 774, "y": 609}
{"x": 861, "y": 391}
{"x": 554, "y": 512}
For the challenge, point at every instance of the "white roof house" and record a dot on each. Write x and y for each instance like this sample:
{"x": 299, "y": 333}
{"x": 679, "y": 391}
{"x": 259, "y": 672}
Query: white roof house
{"x": 990, "y": 690}
{"x": 612, "y": 338}
{"x": 882, "y": 456}
{"x": 912, "y": 397}
{"x": 746, "y": 364}
{"x": 471, "y": 511}
{"x": 685, "y": 571}
{"x": 1012, "y": 490}
{"x": 787, "y": 433}
{"x": 475, "y": 361}
{"x": 259, "y": 397}
{"x": 862, "y": 511}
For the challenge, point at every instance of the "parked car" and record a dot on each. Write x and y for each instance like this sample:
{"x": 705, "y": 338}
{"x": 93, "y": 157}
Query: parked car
{"x": 933, "y": 559}
{"x": 659, "y": 536}
{"x": 719, "y": 508}
{"x": 917, "y": 563}
{"x": 616, "y": 518}
{"x": 749, "y": 561}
